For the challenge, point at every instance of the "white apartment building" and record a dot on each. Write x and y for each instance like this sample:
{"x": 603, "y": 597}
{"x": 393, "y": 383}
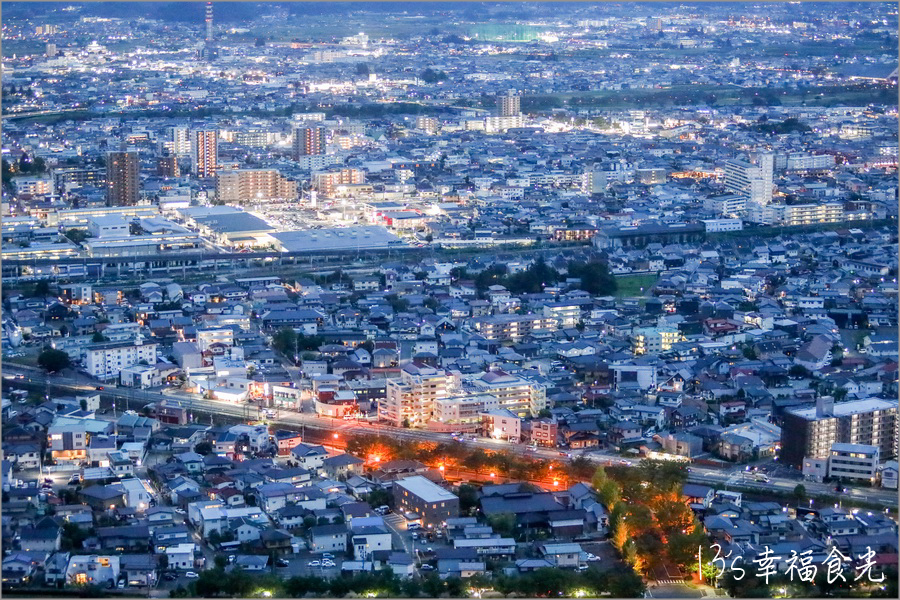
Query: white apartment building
{"x": 752, "y": 181}
{"x": 800, "y": 161}
{"x": 727, "y": 206}
{"x": 207, "y": 337}
{"x": 521, "y": 396}
{"x": 107, "y": 359}
{"x": 411, "y": 400}
{"x": 461, "y": 413}
{"x": 653, "y": 340}
{"x": 806, "y": 214}
{"x": 853, "y": 461}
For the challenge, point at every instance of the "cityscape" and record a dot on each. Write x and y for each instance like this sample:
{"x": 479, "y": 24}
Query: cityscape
{"x": 450, "y": 299}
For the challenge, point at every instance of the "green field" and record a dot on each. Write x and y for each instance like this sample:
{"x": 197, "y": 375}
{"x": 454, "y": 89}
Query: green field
{"x": 629, "y": 286}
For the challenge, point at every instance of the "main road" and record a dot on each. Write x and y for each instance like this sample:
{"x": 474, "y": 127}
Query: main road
{"x": 30, "y": 377}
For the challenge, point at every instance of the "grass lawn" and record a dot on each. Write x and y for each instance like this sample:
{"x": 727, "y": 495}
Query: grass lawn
{"x": 629, "y": 286}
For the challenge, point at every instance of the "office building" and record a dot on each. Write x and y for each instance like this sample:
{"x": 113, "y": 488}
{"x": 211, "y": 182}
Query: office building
{"x": 811, "y": 431}
{"x": 122, "y": 178}
{"x": 248, "y": 185}
{"x": 509, "y": 105}
{"x": 410, "y": 400}
{"x": 431, "y": 502}
{"x": 309, "y": 141}
{"x": 204, "y": 152}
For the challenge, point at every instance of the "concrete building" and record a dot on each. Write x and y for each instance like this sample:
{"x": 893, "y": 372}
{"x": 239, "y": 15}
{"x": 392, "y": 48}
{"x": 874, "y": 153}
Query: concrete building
{"x": 853, "y": 461}
{"x": 327, "y": 183}
{"x": 509, "y": 105}
{"x": 309, "y": 141}
{"x": 411, "y": 400}
{"x": 122, "y": 178}
{"x": 254, "y": 185}
{"x": 204, "y": 152}
{"x": 105, "y": 360}
{"x": 811, "y": 432}
{"x": 430, "y": 501}
{"x": 523, "y": 397}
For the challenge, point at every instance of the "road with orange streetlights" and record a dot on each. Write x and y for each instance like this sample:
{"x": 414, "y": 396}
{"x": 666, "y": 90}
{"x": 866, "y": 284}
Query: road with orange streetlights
{"x": 37, "y": 379}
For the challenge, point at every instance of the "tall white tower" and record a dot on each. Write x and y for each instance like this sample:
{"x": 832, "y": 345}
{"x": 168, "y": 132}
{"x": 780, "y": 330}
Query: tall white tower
{"x": 209, "y": 22}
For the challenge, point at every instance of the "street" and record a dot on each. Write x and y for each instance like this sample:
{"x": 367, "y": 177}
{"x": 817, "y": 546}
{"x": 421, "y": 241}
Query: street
{"x": 37, "y": 379}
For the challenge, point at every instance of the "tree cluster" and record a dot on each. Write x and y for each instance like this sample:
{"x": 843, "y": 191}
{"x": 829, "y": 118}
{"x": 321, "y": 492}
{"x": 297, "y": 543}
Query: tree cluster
{"x": 594, "y": 277}
{"x": 429, "y": 75}
{"x": 649, "y": 518}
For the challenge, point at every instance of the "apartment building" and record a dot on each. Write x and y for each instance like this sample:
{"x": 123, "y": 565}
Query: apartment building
{"x": 204, "y": 152}
{"x": 514, "y": 327}
{"x": 653, "y": 340}
{"x": 730, "y": 205}
{"x": 521, "y": 396}
{"x": 248, "y": 185}
{"x": 411, "y": 399}
{"x": 105, "y": 360}
{"x": 788, "y": 215}
{"x": 853, "y": 461}
{"x": 812, "y": 431}
{"x": 327, "y": 183}
{"x": 461, "y": 413}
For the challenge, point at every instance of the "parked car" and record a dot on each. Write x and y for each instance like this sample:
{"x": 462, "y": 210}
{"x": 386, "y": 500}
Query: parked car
{"x": 427, "y": 568}
{"x": 191, "y": 575}
{"x": 314, "y": 563}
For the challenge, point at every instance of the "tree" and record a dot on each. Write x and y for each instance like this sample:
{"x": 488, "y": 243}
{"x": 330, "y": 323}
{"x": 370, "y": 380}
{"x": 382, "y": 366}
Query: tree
{"x": 362, "y": 69}
{"x": 76, "y": 236}
{"x": 504, "y": 524}
{"x": 433, "y": 585}
{"x": 609, "y": 493}
{"x": 468, "y": 498}
{"x": 378, "y": 497}
{"x": 83, "y": 404}
{"x": 533, "y": 279}
{"x": 595, "y": 277}
{"x": 163, "y": 562}
{"x": 53, "y": 361}
{"x": 260, "y": 42}
{"x": 41, "y": 289}
{"x": 203, "y": 448}
{"x": 285, "y": 341}
{"x": 429, "y": 75}
{"x": 798, "y": 371}
{"x": 800, "y": 491}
